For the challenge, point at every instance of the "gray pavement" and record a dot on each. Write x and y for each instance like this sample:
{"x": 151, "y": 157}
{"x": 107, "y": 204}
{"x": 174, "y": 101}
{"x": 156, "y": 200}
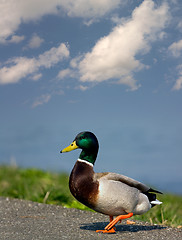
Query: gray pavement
{"x": 20, "y": 219}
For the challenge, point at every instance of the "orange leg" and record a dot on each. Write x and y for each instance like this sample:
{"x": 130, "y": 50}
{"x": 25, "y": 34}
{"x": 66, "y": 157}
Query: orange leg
{"x": 111, "y": 230}
{"x": 110, "y": 227}
{"x": 119, "y": 218}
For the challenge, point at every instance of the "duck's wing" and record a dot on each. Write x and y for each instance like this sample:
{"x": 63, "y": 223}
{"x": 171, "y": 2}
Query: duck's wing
{"x": 126, "y": 180}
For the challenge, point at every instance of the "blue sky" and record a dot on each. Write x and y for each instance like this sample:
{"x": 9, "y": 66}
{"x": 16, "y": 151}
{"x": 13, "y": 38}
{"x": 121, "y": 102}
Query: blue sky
{"x": 112, "y": 67}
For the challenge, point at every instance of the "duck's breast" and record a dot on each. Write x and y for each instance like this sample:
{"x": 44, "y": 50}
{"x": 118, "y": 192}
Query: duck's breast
{"x": 82, "y": 185}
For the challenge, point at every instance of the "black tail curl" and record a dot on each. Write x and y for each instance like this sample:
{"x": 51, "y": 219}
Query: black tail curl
{"x": 151, "y": 195}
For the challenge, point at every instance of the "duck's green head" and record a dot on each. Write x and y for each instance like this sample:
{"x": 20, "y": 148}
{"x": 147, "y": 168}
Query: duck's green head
{"x": 88, "y": 142}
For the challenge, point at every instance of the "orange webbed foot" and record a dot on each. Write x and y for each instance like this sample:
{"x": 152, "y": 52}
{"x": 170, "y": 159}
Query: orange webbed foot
{"x": 112, "y": 230}
{"x": 117, "y": 219}
{"x": 110, "y": 227}
{"x": 130, "y": 222}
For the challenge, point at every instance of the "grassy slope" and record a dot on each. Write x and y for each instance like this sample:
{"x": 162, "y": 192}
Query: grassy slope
{"x": 52, "y": 188}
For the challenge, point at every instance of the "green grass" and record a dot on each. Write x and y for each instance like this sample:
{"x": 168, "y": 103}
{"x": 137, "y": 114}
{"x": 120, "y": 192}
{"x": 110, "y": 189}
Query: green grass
{"x": 52, "y": 188}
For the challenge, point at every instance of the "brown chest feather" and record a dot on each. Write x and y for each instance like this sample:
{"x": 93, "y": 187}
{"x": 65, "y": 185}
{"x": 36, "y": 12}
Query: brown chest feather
{"x": 82, "y": 184}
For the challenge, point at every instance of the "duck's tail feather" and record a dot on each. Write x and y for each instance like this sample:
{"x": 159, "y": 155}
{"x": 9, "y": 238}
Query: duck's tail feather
{"x": 152, "y": 197}
{"x": 156, "y": 202}
{"x": 153, "y": 190}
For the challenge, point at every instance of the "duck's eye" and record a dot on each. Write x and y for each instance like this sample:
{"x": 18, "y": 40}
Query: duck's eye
{"x": 81, "y": 138}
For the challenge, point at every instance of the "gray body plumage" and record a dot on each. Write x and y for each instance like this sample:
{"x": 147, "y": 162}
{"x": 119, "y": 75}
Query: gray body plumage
{"x": 119, "y": 194}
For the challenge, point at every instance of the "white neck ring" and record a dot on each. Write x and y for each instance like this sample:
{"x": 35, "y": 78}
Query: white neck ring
{"x": 84, "y": 161}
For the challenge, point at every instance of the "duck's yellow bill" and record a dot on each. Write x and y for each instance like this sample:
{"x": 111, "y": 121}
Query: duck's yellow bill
{"x": 71, "y": 147}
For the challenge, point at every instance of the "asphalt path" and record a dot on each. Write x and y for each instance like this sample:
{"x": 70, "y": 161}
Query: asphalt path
{"x": 20, "y": 219}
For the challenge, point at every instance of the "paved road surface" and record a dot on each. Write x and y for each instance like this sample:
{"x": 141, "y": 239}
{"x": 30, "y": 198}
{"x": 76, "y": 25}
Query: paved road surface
{"x": 27, "y": 220}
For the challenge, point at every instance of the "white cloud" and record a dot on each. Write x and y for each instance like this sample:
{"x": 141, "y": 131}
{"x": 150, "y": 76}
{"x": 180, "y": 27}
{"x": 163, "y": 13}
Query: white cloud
{"x": 115, "y": 56}
{"x": 89, "y": 8}
{"x": 36, "y": 77}
{"x": 35, "y": 41}
{"x": 53, "y": 56}
{"x": 82, "y": 88}
{"x": 45, "y": 98}
{"x": 64, "y": 73}
{"x": 176, "y": 48}
{"x": 178, "y": 83}
{"x": 20, "y": 67}
{"x": 179, "y": 26}
{"x": 130, "y": 82}
{"x": 15, "y": 12}
{"x": 16, "y": 39}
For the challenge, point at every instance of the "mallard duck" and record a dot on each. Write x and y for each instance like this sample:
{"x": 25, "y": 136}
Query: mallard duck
{"x": 107, "y": 193}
